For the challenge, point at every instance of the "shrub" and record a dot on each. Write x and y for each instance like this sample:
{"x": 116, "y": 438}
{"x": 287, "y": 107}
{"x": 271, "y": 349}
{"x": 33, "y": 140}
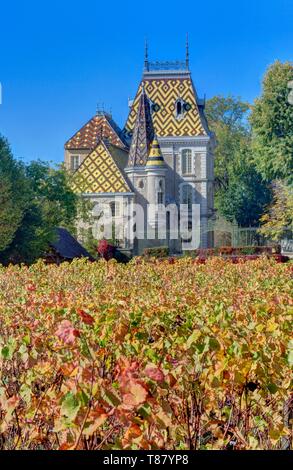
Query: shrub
{"x": 156, "y": 252}
{"x": 246, "y": 250}
{"x": 195, "y": 354}
{"x": 226, "y": 250}
{"x": 237, "y": 251}
{"x": 106, "y": 250}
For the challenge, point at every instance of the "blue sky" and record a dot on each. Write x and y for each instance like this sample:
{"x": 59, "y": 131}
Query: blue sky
{"x": 60, "y": 58}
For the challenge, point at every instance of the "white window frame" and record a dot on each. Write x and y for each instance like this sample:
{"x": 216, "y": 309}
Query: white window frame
{"x": 117, "y": 212}
{"x": 181, "y": 114}
{"x": 75, "y": 162}
{"x": 189, "y": 166}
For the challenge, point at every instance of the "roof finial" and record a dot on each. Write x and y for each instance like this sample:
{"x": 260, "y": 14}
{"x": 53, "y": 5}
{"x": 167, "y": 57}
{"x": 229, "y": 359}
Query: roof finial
{"x": 146, "y": 55}
{"x": 187, "y": 52}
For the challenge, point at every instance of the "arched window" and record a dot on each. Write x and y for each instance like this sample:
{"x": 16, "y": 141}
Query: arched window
{"x": 186, "y": 160}
{"x": 179, "y": 108}
{"x": 141, "y": 184}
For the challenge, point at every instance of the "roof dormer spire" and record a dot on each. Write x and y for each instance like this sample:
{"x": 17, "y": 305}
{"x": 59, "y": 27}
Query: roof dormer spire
{"x": 143, "y": 132}
{"x": 146, "y": 55}
{"x": 187, "y": 52}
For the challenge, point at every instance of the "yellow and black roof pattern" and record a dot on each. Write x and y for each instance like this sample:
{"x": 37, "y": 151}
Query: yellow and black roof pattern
{"x": 164, "y": 92}
{"x": 143, "y": 133}
{"x": 99, "y": 127}
{"x": 102, "y": 171}
{"x": 155, "y": 157}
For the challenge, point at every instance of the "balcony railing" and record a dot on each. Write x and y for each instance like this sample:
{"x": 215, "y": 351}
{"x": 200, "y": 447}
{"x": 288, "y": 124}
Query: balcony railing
{"x": 169, "y": 65}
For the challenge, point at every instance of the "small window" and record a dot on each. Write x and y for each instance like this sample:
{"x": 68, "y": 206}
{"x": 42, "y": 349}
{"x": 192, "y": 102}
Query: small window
{"x": 141, "y": 184}
{"x": 75, "y": 162}
{"x": 179, "y": 108}
{"x": 115, "y": 209}
{"x": 186, "y": 162}
{"x": 160, "y": 197}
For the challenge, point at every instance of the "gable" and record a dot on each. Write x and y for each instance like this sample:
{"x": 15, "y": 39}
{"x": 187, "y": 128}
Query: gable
{"x": 164, "y": 92}
{"x": 97, "y": 128}
{"x": 99, "y": 172}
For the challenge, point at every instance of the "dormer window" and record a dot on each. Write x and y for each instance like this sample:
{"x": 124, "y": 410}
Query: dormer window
{"x": 179, "y": 108}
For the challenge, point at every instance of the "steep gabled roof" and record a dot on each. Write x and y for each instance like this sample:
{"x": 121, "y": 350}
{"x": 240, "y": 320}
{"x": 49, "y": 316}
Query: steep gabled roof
{"x": 102, "y": 171}
{"x": 67, "y": 246}
{"x": 143, "y": 133}
{"x": 164, "y": 89}
{"x": 101, "y": 126}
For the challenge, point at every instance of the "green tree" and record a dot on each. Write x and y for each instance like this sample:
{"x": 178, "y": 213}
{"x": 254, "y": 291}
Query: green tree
{"x": 227, "y": 118}
{"x": 246, "y": 195}
{"x": 272, "y": 124}
{"x": 13, "y": 195}
{"x": 35, "y": 200}
{"x": 279, "y": 216}
{"x": 53, "y": 194}
{"x": 241, "y": 194}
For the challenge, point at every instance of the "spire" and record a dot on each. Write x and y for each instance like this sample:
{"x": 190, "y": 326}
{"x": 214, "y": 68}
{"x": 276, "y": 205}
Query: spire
{"x": 187, "y": 52}
{"x": 143, "y": 133}
{"x": 146, "y": 55}
{"x": 155, "y": 157}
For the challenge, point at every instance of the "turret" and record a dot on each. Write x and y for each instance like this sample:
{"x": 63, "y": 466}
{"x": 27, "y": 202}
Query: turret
{"x": 156, "y": 186}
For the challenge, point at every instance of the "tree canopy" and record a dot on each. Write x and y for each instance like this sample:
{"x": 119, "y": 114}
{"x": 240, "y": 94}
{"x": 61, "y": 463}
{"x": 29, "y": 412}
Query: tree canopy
{"x": 241, "y": 194}
{"x": 13, "y": 195}
{"x": 272, "y": 124}
{"x": 279, "y": 216}
{"x": 34, "y": 200}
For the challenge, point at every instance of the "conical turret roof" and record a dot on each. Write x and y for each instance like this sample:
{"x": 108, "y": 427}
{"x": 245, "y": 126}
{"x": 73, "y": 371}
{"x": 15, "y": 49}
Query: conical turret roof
{"x": 155, "y": 157}
{"x": 143, "y": 133}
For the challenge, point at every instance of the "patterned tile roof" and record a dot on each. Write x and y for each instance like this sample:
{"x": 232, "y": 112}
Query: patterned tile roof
{"x": 164, "y": 92}
{"x": 143, "y": 133}
{"x": 155, "y": 157}
{"x": 99, "y": 127}
{"x": 102, "y": 171}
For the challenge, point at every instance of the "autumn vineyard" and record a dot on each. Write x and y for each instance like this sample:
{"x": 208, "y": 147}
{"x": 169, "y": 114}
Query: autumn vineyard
{"x": 151, "y": 354}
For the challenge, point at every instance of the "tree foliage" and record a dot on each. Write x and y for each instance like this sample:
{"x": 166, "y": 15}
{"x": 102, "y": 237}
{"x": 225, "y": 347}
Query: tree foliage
{"x": 279, "y": 217}
{"x": 13, "y": 195}
{"x": 272, "y": 124}
{"x": 241, "y": 194}
{"x": 53, "y": 193}
{"x": 35, "y": 199}
{"x": 227, "y": 119}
